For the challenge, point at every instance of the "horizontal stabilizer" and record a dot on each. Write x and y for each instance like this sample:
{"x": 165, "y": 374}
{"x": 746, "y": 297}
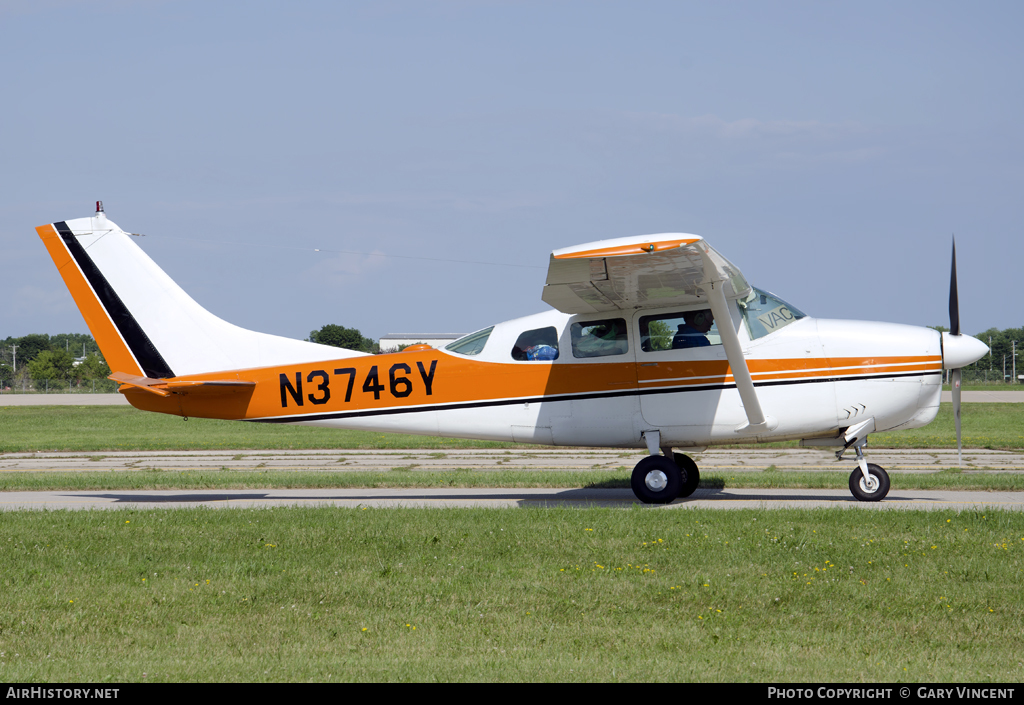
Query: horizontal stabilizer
{"x": 164, "y": 388}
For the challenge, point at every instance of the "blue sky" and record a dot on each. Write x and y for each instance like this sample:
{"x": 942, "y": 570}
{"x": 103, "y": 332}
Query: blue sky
{"x": 828, "y": 149}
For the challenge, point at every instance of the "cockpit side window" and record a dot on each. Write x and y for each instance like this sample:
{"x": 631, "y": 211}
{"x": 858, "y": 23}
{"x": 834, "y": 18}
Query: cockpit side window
{"x": 470, "y": 344}
{"x": 766, "y": 313}
{"x": 599, "y": 338}
{"x": 537, "y": 344}
{"x": 682, "y": 329}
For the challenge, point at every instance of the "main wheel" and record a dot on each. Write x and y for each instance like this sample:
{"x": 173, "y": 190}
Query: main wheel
{"x": 656, "y": 480}
{"x": 871, "y": 489}
{"x": 689, "y": 474}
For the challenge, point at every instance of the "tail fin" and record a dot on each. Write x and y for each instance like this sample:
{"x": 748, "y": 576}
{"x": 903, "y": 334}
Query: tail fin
{"x": 144, "y": 323}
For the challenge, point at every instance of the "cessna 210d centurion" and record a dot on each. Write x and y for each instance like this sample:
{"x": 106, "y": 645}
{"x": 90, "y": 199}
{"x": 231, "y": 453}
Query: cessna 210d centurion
{"x": 655, "y": 342}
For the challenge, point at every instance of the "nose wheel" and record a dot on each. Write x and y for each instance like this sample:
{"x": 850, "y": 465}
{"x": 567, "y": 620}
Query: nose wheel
{"x": 870, "y": 487}
{"x": 658, "y": 479}
{"x": 868, "y": 482}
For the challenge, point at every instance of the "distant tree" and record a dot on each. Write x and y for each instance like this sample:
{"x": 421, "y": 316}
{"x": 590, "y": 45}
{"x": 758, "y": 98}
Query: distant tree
{"x": 92, "y": 367}
{"x": 78, "y": 344}
{"x": 54, "y": 365}
{"x": 30, "y": 346}
{"x": 6, "y": 373}
{"x": 1000, "y": 342}
{"x": 342, "y": 337}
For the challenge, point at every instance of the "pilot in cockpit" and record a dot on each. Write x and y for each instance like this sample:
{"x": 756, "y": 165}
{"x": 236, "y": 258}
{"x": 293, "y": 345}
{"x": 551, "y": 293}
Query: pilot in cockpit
{"x": 692, "y": 332}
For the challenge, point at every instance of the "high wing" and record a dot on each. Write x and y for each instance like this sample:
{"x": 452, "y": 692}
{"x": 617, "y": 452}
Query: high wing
{"x": 638, "y": 272}
{"x": 655, "y": 271}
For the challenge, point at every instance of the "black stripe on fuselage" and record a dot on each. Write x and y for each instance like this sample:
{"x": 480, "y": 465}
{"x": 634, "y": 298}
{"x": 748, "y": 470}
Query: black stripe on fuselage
{"x": 146, "y": 354}
{"x": 573, "y": 397}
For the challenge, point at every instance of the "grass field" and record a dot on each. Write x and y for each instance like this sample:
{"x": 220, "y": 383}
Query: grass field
{"x": 558, "y": 594}
{"x": 299, "y": 594}
{"x": 92, "y": 428}
{"x": 97, "y": 428}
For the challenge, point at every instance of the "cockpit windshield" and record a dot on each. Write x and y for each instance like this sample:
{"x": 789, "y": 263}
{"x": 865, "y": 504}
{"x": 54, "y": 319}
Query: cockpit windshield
{"x": 766, "y": 313}
{"x": 471, "y": 344}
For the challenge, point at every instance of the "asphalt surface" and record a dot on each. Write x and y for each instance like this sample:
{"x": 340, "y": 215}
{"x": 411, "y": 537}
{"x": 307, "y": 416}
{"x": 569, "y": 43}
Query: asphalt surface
{"x": 524, "y": 458}
{"x": 530, "y": 497}
{"x": 727, "y": 461}
{"x": 115, "y": 399}
{"x": 784, "y": 460}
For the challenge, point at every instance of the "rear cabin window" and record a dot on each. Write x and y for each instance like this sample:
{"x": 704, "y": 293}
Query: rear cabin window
{"x": 537, "y": 344}
{"x": 599, "y": 338}
{"x": 676, "y": 331}
{"x": 470, "y": 344}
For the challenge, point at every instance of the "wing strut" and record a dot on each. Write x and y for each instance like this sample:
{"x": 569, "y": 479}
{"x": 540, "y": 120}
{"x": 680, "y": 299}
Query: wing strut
{"x": 756, "y": 420}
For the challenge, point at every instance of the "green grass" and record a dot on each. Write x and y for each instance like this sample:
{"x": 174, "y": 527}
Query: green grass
{"x": 225, "y": 479}
{"x": 94, "y": 428}
{"x": 302, "y": 594}
{"x": 994, "y": 426}
{"x": 98, "y": 428}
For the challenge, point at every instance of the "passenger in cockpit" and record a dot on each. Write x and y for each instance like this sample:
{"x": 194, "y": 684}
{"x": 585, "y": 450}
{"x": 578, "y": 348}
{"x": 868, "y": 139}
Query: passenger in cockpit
{"x": 692, "y": 332}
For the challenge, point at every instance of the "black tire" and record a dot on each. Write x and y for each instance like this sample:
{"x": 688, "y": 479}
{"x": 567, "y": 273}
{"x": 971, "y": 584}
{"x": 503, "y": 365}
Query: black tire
{"x": 865, "y": 493}
{"x": 689, "y": 474}
{"x": 656, "y": 480}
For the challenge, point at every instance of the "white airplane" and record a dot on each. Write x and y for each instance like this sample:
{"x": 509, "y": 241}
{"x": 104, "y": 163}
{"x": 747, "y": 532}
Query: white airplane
{"x": 655, "y": 342}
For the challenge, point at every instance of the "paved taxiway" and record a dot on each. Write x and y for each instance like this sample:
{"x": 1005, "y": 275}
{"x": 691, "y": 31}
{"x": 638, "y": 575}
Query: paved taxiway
{"x": 530, "y": 497}
{"x": 759, "y": 460}
{"x": 526, "y": 459}
{"x": 521, "y": 458}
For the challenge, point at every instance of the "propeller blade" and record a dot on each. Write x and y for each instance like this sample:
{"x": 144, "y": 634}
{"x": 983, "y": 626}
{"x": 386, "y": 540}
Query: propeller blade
{"x": 956, "y": 415}
{"x": 954, "y": 302}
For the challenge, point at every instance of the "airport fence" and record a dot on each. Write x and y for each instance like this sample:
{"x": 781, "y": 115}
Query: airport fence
{"x": 58, "y": 386}
{"x": 993, "y": 377}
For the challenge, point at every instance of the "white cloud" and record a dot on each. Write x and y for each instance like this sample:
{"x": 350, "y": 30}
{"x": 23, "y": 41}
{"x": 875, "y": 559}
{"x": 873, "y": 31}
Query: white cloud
{"x": 714, "y": 142}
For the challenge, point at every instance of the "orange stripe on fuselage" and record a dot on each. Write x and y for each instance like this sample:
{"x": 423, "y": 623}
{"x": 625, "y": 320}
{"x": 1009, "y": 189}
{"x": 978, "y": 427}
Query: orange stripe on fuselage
{"x": 431, "y": 378}
{"x": 115, "y": 352}
{"x": 695, "y": 372}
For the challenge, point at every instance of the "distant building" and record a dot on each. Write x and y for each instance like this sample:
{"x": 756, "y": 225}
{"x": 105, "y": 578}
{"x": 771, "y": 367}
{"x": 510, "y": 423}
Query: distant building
{"x": 392, "y": 341}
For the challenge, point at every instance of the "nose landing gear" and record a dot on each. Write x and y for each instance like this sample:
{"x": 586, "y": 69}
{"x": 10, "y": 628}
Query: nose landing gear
{"x": 869, "y": 482}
